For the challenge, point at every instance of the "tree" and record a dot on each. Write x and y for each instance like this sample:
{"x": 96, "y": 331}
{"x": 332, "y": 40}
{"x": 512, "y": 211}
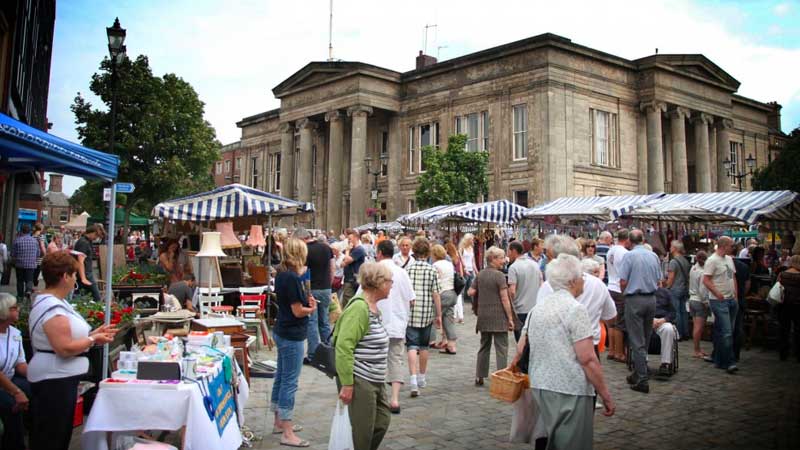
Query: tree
{"x": 782, "y": 172}
{"x": 165, "y": 146}
{"x": 452, "y": 176}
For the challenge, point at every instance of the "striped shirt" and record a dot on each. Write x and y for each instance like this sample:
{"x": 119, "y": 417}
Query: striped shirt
{"x": 371, "y": 352}
{"x": 425, "y": 281}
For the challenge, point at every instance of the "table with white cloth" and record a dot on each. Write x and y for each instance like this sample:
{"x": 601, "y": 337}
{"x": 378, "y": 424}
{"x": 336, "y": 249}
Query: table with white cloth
{"x": 126, "y": 410}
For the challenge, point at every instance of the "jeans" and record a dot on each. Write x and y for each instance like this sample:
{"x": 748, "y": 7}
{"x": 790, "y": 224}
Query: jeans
{"x": 13, "y": 435}
{"x": 318, "y": 327}
{"x": 468, "y": 279}
{"x": 679, "y": 298}
{"x": 738, "y": 330}
{"x": 93, "y": 289}
{"x": 290, "y": 361}
{"x": 24, "y": 282}
{"x": 724, "y": 317}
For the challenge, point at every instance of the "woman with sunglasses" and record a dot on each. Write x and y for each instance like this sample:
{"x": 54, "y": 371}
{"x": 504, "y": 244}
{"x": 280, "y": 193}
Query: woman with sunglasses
{"x": 589, "y": 251}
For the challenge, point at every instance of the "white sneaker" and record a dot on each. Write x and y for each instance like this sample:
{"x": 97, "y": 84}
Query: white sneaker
{"x": 414, "y": 389}
{"x": 421, "y": 382}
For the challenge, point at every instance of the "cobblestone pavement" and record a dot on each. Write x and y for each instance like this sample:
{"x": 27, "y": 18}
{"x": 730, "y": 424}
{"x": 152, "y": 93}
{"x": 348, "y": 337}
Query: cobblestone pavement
{"x": 699, "y": 407}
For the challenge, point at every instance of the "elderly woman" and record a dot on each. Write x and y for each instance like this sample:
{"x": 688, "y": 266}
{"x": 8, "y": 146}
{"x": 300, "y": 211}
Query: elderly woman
{"x": 789, "y": 310}
{"x": 589, "y": 251}
{"x": 60, "y": 338}
{"x": 295, "y": 305}
{"x": 565, "y": 370}
{"x": 698, "y": 301}
{"x": 14, "y": 387}
{"x": 493, "y": 308}
{"x": 446, "y": 272}
{"x": 362, "y": 345}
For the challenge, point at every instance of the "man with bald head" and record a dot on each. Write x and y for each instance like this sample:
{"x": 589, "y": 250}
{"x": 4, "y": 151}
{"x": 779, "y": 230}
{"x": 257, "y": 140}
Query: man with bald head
{"x": 719, "y": 277}
{"x": 639, "y": 275}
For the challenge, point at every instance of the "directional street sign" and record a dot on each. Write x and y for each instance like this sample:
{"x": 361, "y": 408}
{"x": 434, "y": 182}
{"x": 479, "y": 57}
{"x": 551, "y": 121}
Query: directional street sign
{"x": 125, "y": 188}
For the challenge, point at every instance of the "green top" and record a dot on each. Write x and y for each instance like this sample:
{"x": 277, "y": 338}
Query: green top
{"x": 350, "y": 328}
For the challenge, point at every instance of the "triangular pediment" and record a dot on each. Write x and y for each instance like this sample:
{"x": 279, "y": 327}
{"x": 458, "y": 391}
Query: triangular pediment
{"x": 317, "y": 73}
{"x": 697, "y": 66}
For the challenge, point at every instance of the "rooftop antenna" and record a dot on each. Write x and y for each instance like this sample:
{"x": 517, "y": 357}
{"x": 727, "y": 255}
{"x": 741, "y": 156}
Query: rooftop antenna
{"x": 425, "y": 38}
{"x": 656, "y": 47}
{"x": 438, "y": 49}
{"x": 330, "y": 33}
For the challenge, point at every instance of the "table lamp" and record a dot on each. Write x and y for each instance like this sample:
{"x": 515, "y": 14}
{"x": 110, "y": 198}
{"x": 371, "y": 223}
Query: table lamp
{"x": 211, "y": 248}
{"x": 256, "y": 238}
{"x": 228, "y": 238}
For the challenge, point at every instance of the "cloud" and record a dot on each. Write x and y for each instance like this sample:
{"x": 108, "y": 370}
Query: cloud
{"x": 782, "y": 9}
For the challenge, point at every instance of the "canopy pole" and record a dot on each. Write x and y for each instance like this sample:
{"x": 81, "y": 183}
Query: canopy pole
{"x": 112, "y": 206}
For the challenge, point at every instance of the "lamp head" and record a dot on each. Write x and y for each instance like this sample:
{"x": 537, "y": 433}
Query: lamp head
{"x": 116, "y": 38}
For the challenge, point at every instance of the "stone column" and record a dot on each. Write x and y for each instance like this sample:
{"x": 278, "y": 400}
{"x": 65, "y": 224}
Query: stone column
{"x": 287, "y": 160}
{"x": 641, "y": 152}
{"x": 680, "y": 169}
{"x": 395, "y": 202}
{"x": 358, "y": 177}
{"x": 655, "y": 151}
{"x": 712, "y": 149}
{"x": 333, "y": 213}
{"x": 306, "y": 164}
{"x": 702, "y": 165}
{"x": 723, "y": 151}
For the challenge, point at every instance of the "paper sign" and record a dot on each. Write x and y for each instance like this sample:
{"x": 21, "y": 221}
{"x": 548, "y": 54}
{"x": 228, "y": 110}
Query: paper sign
{"x": 222, "y": 398}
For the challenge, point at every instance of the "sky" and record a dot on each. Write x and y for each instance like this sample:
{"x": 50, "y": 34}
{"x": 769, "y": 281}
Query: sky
{"x": 234, "y": 52}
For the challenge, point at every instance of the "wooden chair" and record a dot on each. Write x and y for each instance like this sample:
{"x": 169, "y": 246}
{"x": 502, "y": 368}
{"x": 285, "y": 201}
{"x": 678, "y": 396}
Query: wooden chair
{"x": 211, "y": 303}
{"x": 251, "y": 312}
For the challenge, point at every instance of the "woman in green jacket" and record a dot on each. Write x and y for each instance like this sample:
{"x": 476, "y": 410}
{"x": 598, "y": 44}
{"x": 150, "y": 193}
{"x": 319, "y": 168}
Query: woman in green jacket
{"x": 362, "y": 346}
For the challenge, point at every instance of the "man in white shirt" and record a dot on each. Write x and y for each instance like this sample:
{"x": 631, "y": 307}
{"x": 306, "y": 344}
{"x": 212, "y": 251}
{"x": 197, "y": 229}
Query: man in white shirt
{"x": 616, "y": 253}
{"x": 745, "y": 253}
{"x": 524, "y": 280}
{"x": 719, "y": 277}
{"x": 394, "y": 315}
{"x": 404, "y": 258}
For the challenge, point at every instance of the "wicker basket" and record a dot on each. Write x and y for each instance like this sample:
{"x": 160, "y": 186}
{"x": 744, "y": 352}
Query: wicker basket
{"x": 507, "y": 385}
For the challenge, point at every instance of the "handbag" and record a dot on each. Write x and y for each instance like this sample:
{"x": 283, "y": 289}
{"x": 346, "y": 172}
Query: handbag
{"x": 458, "y": 283}
{"x": 775, "y": 295}
{"x": 324, "y": 358}
{"x": 336, "y": 284}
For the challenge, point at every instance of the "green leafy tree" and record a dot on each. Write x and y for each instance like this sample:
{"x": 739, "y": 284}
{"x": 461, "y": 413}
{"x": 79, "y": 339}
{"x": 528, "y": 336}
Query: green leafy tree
{"x": 782, "y": 172}
{"x": 452, "y": 176}
{"x": 166, "y": 147}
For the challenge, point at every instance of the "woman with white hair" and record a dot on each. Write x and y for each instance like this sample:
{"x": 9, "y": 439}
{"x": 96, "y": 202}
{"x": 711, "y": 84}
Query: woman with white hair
{"x": 566, "y": 371}
{"x": 14, "y": 386}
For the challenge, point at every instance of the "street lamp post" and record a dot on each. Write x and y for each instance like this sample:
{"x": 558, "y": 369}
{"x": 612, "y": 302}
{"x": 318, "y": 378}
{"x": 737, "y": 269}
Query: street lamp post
{"x": 733, "y": 171}
{"x": 375, "y": 190}
{"x": 116, "y": 51}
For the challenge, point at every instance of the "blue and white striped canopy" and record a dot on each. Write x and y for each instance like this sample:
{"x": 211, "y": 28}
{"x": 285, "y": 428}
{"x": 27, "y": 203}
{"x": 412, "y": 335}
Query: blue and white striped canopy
{"x": 500, "y": 212}
{"x": 227, "y": 202}
{"x": 605, "y": 208}
{"x": 429, "y": 215}
{"x": 392, "y": 227}
{"x": 747, "y": 207}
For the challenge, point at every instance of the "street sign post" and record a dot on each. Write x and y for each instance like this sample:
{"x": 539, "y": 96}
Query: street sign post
{"x": 125, "y": 188}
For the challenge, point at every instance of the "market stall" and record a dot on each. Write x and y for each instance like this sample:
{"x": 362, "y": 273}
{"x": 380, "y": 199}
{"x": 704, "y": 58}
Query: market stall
{"x": 389, "y": 227}
{"x": 600, "y": 209}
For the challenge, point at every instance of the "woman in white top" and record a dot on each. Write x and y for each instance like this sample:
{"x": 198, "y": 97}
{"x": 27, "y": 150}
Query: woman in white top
{"x": 465, "y": 249}
{"x": 14, "y": 387}
{"x": 698, "y": 301}
{"x": 60, "y": 337}
{"x": 446, "y": 272}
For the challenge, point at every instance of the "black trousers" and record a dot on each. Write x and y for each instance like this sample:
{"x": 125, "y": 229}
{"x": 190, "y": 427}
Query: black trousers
{"x": 788, "y": 315}
{"x": 52, "y": 410}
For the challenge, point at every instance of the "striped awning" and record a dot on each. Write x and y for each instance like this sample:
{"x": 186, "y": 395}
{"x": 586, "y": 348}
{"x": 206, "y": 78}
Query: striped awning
{"x": 429, "y": 215}
{"x": 748, "y": 207}
{"x": 604, "y": 208}
{"x": 227, "y": 202}
{"x": 392, "y": 227}
{"x": 500, "y": 212}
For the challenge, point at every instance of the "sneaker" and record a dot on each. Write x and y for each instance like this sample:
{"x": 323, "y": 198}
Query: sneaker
{"x": 414, "y": 389}
{"x": 708, "y": 359}
{"x": 421, "y": 382}
{"x": 642, "y": 387}
{"x": 732, "y": 369}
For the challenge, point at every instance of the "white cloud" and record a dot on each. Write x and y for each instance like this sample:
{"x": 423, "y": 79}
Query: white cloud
{"x": 781, "y": 9}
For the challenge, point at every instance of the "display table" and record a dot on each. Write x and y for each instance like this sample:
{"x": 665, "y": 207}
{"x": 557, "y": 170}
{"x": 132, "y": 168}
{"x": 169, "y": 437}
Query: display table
{"x": 126, "y": 410}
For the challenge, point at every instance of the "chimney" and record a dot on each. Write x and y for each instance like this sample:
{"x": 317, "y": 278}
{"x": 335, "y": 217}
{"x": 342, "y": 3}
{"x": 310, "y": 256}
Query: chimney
{"x": 424, "y": 60}
{"x": 774, "y": 116}
{"x": 55, "y": 182}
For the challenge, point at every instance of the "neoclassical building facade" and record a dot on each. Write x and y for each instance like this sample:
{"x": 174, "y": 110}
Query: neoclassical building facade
{"x": 557, "y": 118}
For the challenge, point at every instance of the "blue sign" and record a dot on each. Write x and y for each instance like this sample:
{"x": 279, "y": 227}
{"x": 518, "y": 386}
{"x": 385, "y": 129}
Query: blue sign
{"x": 125, "y": 188}
{"x": 222, "y": 398}
{"x": 29, "y": 215}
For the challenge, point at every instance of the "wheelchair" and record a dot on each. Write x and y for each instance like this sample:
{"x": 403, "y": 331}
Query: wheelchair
{"x": 654, "y": 348}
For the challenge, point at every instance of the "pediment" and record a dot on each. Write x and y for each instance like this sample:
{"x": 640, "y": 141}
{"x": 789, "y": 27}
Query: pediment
{"x": 697, "y": 66}
{"x": 317, "y": 73}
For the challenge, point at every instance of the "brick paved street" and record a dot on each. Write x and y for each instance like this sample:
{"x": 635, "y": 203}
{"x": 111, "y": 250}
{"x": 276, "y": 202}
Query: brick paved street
{"x": 700, "y": 407}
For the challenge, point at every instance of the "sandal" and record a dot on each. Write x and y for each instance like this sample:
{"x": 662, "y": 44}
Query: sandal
{"x": 447, "y": 351}
{"x": 302, "y": 443}
{"x": 296, "y": 428}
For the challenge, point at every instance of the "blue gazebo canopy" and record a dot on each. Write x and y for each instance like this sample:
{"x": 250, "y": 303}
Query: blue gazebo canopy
{"x": 24, "y": 148}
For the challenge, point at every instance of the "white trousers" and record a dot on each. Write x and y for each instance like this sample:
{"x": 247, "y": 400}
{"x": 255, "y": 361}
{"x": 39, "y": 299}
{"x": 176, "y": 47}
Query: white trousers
{"x": 668, "y": 334}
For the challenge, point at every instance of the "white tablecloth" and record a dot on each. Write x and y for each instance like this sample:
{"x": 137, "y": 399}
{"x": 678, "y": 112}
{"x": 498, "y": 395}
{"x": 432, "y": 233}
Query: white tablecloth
{"x": 120, "y": 410}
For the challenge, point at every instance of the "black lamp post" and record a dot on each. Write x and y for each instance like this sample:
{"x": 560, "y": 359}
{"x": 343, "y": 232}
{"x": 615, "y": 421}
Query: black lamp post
{"x": 733, "y": 171}
{"x": 116, "y": 50}
{"x": 375, "y": 190}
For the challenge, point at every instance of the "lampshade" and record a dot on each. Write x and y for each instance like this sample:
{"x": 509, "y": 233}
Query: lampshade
{"x": 229, "y": 239}
{"x": 256, "y": 236}
{"x": 211, "y": 245}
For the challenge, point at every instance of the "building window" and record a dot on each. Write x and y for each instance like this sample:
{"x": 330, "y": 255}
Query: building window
{"x": 276, "y": 172}
{"x": 227, "y": 166}
{"x": 521, "y": 198}
{"x": 520, "y": 132}
{"x": 384, "y": 153}
{"x": 254, "y": 171}
{"x": 604, "y": 139}
{"x": 63, "y": 216}
{"x": 411, "y": 206}
{"x": 476, "y": 127}
{"x": 219, "y": 167}
{"x": 411, "y": 150}
{"x": 736, "y": 150}
{"x": 313, "y": 165}
{"x": 383, "y": 211}
{"x": 237, "y": 169}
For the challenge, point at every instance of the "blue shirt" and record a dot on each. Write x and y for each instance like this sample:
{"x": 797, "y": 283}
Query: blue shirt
{"x": 25, "y": 252}
{"x": 641, "y": 269}
{"x": 351, "y": 270}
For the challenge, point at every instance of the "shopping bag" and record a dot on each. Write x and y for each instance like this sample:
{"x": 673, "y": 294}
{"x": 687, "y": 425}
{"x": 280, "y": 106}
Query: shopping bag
{"x": 775, "y": 295}
{"x": 524, "y": 418}
{"x": 341, "y": 432}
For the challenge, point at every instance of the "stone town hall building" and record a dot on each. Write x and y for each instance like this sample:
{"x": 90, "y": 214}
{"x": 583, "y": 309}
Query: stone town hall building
{"x": 557, "y": 118}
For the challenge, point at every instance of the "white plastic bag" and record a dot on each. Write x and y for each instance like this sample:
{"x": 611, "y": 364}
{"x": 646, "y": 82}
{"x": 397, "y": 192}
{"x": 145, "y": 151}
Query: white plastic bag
{"x": 775, "y": 295}
{"x": 341, "y": 432}
{"x": 524, "y": 418}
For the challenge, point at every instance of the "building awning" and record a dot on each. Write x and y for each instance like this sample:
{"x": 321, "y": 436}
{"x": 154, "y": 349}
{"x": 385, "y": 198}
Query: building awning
{"x": 24, "y": 148}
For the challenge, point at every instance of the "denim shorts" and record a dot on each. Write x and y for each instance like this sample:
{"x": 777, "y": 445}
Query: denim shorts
{"x": 418, "y": 338}
{"x": 698, "y": 309}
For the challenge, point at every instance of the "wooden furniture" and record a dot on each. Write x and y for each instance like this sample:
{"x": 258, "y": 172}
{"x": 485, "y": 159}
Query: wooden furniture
{"x": 239, "y": 343}
{"x": 227, "y": 325}
{"x": 756, "y": 315}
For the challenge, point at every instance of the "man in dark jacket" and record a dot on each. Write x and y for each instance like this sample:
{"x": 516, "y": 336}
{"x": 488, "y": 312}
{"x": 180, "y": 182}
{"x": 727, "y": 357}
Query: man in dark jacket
{"x": 664, "y": 327}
